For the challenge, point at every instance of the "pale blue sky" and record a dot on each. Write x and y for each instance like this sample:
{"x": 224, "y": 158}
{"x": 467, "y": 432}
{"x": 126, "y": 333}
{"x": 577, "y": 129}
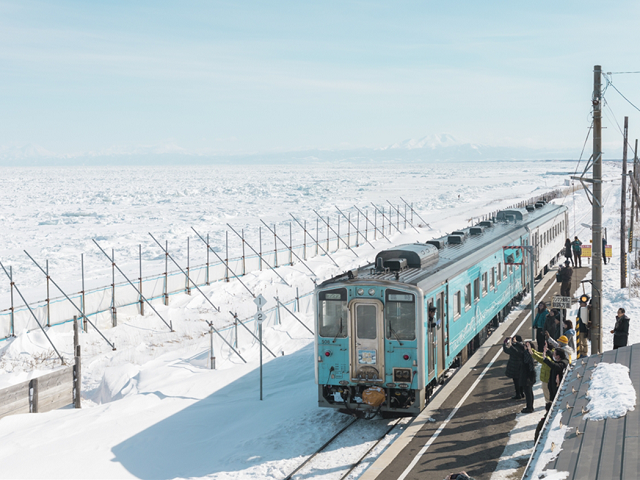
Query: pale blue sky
{"x": 248, "y": 76}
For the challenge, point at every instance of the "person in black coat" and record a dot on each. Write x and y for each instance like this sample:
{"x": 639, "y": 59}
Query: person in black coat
{"x": 621, "y": 330}
{"x": 567, "y": 250}
{"x": 552, "y": 324}
{"x": 558, "y": 365}
{"x": 604, "y": 248}
{"x": 515, "y": 349}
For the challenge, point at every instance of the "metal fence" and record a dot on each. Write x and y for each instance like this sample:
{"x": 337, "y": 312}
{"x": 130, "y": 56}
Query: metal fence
{"x": 322, "y": 237}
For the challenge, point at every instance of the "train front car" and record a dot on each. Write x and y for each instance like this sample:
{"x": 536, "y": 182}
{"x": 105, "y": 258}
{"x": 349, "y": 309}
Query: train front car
{"x": 370, "y": 338}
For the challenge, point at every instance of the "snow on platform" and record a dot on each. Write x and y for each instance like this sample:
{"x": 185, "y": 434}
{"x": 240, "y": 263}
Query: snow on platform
{"x": 593, "y": 427}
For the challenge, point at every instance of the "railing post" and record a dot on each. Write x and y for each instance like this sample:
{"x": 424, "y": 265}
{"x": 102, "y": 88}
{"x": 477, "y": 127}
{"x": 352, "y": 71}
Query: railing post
{"x": 328, "y": 219}
{"x": 297, "y": 300}
{"x": 275, "y": 246}
{"x": 207, "y": 275}
{"x": 375, "y": 224}
{"x": 290, "y": 245}
{"x": 166, "y": 272}
{"x": 405, "y": 216}
{"x": 12, "y": 328}
{"x": 114, "y": 317}
{"x": 260, "y": 240}
{"x": 33, "y": 386}
{"x": 317, "y": 234}
{"x": 338, "y": 239}
{"x": 244, "y": 265}
{"x": 82, "y": 297}
{"x": 48, "y": 299}
{"x": 349, "y": 230}
{"x": 77, "y": 371}
{"x": 304, "y": 243}
{"x": 226, "y": 259}
{"x": 277, "y": 322}
{"x": 140, "y": 280}
{"x": 186, "y": 280}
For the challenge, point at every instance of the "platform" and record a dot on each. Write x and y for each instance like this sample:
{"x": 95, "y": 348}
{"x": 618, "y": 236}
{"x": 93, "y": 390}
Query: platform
{"x": 473, "y": 411}
{"x": 594, "y": 450}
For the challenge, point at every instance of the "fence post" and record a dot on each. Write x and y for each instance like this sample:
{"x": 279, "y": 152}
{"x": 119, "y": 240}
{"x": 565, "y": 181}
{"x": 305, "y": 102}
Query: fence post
{"x": 244, "y": 265}
{"x": 140, "y": 280}
{"x": 297, "y": 300}
{"x": 375, "y": 224}
{"x": 48, "y": 299}
{"x": 207, "y": 260}
{"x": 82, "y": 298}
{"x": 33, "y": 386}
{"x": 114, "y": 315}
{"x": 275, "y": 246}
{"x": 213, "y": 358}
{"x": 186, "y": 280}
{"x": 12, "y": 327}
{"x": 366, "y": 226}
{"x": 405, "y": 216}
{"x": 166, "y": 272}
{"x": 398, "y": 217}
{"x": 349, "y": 230}
{"x": 235, "y": 330}
{"x": 338, "y": 239}
{"x": 328, "y": 219}
{"x": 411, "y": 212}
{"x": 290, "y": 245}
{"x": 226, "y": 259}
{"x": 317, "y": 234}
{"x": 277, "y": 322}
{"x": 358, "y": 230}
{"x": 260, "y": 240}
{"x": 304, "y": 243}
{"x": 77, "y": 371}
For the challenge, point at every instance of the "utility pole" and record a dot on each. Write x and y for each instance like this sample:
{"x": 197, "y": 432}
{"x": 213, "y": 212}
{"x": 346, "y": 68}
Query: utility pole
{"x": 623, "y": 210}
{"x": 596, "y": 273}
{"x": 635, "y": 176}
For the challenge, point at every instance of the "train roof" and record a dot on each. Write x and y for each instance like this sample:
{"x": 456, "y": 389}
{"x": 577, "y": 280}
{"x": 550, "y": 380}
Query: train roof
{"x": 452, "y": 255}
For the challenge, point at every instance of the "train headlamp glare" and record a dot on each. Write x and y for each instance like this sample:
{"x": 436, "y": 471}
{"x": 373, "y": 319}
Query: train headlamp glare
{"x": 360, "y": 291}
{"x": 372, "y": 291}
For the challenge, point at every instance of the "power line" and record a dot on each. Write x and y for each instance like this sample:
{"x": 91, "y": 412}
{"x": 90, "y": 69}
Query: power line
{"x": 609, "y": 82}
{"x": 619, "y": 73}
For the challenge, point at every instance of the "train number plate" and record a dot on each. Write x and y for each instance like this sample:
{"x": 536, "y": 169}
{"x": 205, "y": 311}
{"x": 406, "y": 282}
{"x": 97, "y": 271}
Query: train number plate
{"x": 367, "y": 357}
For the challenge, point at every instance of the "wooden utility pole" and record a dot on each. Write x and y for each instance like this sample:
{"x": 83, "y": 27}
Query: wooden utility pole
{"x": 623, "y": 210}
{"x": 596, "y": 273}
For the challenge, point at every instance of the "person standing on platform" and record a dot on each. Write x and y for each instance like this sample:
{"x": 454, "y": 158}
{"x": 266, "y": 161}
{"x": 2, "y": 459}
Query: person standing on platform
{"x": 558, "y": 364}
{"x": 565, "y": 275}
{"x": 539, "y": 322}
{"x": 567, "y": 250}
{"x": 582, "y": 327}
{"x": 576, "y": 246}
{"x": 570, "y": 333}
{"x": 621, "y": 330}
{"x": 515, "y": 349}
{"x": 563, "y": 343}
{"x": 552, "y": 324}
{"x": 604, "y": 248}
{"x": 545, "y": 371}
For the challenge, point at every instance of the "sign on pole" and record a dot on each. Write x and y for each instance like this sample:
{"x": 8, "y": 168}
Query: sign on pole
{"x": 260, "y": 302}
{"x": 259, "y": 317}
{"x": 561, "y": 302}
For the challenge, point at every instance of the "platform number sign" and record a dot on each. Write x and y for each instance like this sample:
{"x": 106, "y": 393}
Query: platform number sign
{"x": 260, "y": 301}
{"x": 259, "y": 317}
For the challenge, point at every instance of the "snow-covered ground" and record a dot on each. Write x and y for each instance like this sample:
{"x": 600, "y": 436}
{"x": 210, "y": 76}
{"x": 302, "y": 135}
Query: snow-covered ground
{"x": 153, "y": 408}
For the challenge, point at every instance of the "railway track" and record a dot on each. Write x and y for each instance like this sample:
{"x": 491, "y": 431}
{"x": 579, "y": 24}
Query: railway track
{"x": 346, "y": 450}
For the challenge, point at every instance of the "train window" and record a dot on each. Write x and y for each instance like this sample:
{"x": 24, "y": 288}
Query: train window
{"x": 467, "y": 296}
{"x": 499, "y": 272}
{"x": 456, "y": 304}
{"x": 366, "y": 321}
{"x": 493, "y": 277}
{"x": 400, "y": 315}
{"x": 333, "y": 314}
{"x": 485, "y": 288}
{"x": 476, "y": 289}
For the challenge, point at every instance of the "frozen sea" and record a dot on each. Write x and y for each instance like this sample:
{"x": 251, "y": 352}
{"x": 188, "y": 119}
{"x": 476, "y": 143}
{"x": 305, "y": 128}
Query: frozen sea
{"x": 153, "y": 408}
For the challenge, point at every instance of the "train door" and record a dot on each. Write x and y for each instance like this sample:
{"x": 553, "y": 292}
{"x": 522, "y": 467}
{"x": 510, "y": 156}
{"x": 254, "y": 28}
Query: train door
{"x": 441, "y": 330}
{"x": 431, "y": 343}
{"x": 368, "y": 340}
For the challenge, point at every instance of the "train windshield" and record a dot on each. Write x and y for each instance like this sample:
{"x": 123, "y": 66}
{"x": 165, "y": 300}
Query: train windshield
{"x": 400, "y": 315}
{"x": 333, "y": 314}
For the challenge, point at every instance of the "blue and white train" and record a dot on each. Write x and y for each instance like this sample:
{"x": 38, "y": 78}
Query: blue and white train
{"x": 373, "y": 332}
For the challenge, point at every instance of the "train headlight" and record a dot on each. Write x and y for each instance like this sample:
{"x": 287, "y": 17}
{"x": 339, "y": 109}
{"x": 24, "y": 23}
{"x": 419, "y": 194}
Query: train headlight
{"x": 360, "y": 291}
{"x": 372, "y": 291}
{"x": 401, "y": 375}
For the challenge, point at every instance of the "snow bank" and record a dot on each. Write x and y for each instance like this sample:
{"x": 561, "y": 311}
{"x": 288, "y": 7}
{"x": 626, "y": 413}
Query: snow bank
{"x": 611, "y": 392}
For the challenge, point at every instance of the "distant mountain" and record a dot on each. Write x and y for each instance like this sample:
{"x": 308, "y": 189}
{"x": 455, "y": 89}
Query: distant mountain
{"x": 431, "y": 148}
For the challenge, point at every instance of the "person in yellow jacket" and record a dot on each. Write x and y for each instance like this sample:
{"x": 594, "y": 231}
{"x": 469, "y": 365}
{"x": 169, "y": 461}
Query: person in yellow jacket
{"x": 545, "y": 372}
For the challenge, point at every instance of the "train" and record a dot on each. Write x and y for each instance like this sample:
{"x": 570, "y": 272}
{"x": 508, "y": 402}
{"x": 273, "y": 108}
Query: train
{"x": 387, "y": 332}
